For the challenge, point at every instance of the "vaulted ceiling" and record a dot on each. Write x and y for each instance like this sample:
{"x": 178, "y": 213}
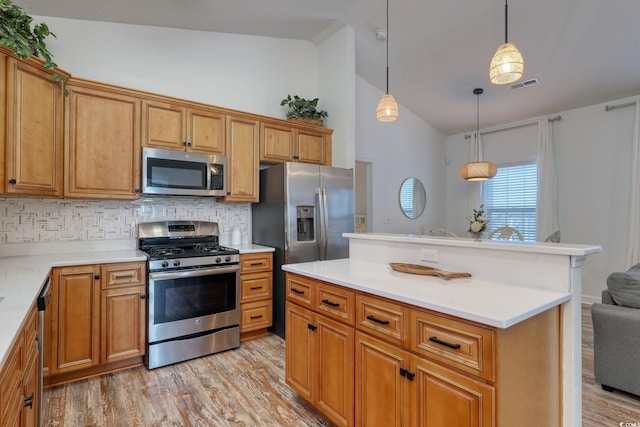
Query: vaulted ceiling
{"x": 583, "y": 52}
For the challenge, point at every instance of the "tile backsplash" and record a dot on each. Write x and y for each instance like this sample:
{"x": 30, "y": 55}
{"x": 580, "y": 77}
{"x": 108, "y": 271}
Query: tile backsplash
{"x": 37, "y": 220}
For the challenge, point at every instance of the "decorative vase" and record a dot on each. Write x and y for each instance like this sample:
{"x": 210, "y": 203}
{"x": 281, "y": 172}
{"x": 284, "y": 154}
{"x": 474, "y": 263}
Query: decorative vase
{"x": 477, "y": 235}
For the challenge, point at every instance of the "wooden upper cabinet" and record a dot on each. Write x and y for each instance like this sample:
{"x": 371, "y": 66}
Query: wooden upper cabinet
{"x": 242, "y": 160}
{"x": 102, "y": 150}
{"x": 276, "y": 143}
{"x": 283, "y": 143}
{"x": 34, "y": 139}
{"x": 178, "y": 127}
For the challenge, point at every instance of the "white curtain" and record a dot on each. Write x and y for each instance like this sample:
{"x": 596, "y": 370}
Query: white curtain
{"x": 547, "y": 206}
{"x": 633, "y": 243}
{"x": 476, "y": 193}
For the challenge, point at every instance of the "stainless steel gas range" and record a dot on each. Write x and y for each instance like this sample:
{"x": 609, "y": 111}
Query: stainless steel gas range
{"x": 193, "y": 304}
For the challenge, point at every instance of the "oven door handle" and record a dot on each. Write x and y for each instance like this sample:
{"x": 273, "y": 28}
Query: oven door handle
{"x": 193, "y": 273}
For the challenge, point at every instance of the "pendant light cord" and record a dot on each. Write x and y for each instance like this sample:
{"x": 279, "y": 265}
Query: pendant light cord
{"x": 506, "y": 21}
{"x": 387, "y": 47}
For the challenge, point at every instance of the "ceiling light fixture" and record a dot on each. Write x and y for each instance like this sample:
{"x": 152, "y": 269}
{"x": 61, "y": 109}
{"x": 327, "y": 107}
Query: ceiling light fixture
{"x": 387, "y": 110}
{"x": 478, "y": 170}
{"x": 507, "y": 64}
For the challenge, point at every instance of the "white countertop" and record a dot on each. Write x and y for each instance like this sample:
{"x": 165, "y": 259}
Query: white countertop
{"x": 22, "y": 277}
{"x": 250, "y": 248}
{"x": 511, "y": 246}
{"x": 474, "y": 299}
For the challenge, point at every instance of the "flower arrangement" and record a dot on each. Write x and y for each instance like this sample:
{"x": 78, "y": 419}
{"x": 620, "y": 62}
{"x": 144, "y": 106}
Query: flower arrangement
{"x": 478, "y": 223}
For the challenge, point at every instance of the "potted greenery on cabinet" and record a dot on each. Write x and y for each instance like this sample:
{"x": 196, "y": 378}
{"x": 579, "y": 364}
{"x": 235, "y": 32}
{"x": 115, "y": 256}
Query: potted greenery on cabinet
{"x": 304, "y": 110}
{"x": 17, "y": 35}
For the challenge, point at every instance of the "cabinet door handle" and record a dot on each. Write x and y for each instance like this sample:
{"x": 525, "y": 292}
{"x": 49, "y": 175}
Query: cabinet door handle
{"x": 142, "y": 296}
{"x": 297, "y": 291}
{"x": 137, "y": 190}
{"x": 407, "y": 374}
{"x": 189, "y": 144}
{"x": 332, "y": 304}
{"x": 97, "y": 277}
{"x": 12, "y": 181}
{"x": 373, "y": 319}
{"x": 28, "y": 401}
{"x": 255, "y": 288}
{"x": 125, "y": 276}
{"x": 256, "y": 317}
{"x": 444, "y": 343}
{"x": 312, "y": 327}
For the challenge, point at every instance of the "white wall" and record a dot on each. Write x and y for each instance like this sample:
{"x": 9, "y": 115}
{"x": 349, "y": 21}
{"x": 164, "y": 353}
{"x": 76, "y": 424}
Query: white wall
{"x": 241, "y": 72}
{"x": 409, "y": 147}
{"x": 593, "y": 156}
{"x": 337, "y": 75}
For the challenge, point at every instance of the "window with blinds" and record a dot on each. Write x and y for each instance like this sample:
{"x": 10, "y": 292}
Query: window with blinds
{"x": 510, "y": 199}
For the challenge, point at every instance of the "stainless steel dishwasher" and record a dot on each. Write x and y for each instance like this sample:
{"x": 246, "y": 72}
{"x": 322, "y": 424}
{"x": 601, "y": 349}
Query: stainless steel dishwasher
{"x": 43, "y": 301}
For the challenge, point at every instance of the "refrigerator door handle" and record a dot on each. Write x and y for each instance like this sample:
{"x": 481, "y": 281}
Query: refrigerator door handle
{"x": 319, "y": 224}
{"x": 324, "y": 219}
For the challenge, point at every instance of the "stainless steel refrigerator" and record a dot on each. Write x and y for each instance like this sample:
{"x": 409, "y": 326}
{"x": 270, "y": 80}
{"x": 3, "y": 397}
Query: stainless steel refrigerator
{"x": 303, "y": 211}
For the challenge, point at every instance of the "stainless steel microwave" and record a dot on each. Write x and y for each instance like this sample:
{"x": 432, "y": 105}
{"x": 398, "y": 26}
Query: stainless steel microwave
{"x": 168, "y": 172}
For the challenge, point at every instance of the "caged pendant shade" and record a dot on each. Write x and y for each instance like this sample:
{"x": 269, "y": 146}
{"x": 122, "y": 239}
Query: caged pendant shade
{"x": 478, "y": 170}
{"x": 387, "y": 110}
{"x": 507, "y": 64}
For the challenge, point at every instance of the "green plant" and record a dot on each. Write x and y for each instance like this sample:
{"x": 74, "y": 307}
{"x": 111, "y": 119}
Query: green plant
{"x": 16, "y": 34}
{"x": 303, "y": 108}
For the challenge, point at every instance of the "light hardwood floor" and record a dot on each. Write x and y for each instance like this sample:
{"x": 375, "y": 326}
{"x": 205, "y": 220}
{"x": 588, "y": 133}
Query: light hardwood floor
{"x": 245, "y": 387}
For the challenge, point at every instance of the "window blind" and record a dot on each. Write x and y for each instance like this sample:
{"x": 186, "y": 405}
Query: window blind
{"x": 510, "y": 199}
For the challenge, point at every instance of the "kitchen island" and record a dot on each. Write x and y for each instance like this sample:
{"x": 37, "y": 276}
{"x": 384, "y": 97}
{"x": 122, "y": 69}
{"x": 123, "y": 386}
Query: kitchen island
{"x": 513, "y": 287}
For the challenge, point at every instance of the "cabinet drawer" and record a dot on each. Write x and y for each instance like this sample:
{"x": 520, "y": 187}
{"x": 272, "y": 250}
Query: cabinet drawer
{"x": 123, "y": 274}
{"x": 336, "y": 302}
{"x": 383, "y": 319}
{"x": 300, "y": 290}
{"x": 454, "y": 343}
{"x": 250, "y": 263}
{"x": 255, "y": 286}
{"x": 255, "y": 315}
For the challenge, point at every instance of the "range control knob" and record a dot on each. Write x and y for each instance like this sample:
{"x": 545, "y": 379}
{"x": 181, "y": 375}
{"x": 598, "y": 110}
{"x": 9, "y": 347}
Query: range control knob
{"x": 165, "y": 263}
{"x": 227, "y": 259}
{"x": 218, "y": 260}
{"x": 176, "y": 263}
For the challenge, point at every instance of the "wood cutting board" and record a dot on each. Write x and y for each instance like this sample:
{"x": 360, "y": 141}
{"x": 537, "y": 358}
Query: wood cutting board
{"x": 427, "y": 271}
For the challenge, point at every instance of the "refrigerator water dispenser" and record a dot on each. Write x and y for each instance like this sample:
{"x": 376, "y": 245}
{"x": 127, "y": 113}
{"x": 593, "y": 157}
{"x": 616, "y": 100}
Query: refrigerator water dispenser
{"x": 304, "y": 219}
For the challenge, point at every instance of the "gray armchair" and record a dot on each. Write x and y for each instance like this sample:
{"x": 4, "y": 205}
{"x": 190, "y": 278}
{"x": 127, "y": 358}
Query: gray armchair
{"x": 616, "y": 334}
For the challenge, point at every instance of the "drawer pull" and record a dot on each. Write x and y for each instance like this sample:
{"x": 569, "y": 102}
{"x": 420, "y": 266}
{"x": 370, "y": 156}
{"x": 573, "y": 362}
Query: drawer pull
{"x": 125, "y": 276}
{"x": 255, "y": 264}
{"x": 312, "y": 327}
{"x": 332, "y": 304}
{"x": 444, "y": 343}
{"x": 373, "y": 319}
{"x": 255, "y": 288}
{"x": 297, "y": 291}
{"x": 256, "y": 317}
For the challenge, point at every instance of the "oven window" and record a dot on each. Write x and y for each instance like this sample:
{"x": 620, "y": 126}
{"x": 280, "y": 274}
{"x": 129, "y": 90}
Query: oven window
{"x": 176, "y": 174}
{"x": 186, "y": 298}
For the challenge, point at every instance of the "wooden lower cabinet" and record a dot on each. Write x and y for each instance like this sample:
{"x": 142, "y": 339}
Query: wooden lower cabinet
{"x": 97, "y": 320}
{"x": 320, "y": 357}
{"x": 439, "y": 371}
{"x": 75, "y": 327}
{"x": 19, "y": 392}
{"x": 256, "y": 286}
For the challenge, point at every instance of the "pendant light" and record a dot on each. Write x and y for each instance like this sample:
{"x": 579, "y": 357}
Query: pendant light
{"x": 387, "y": 110}
{"x": 507, "y": 65}
{"x": 478, "y": 170}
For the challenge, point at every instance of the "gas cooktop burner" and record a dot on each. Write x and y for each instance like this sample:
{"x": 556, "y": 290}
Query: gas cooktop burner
{"x": 205, "y": 247}
{"x": 165, "y": 250}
